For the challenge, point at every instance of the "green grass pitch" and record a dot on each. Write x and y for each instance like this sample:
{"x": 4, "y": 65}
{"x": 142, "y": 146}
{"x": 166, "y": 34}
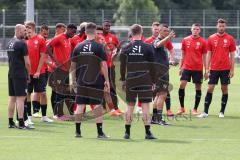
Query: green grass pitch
{"x": 185, "y": 139}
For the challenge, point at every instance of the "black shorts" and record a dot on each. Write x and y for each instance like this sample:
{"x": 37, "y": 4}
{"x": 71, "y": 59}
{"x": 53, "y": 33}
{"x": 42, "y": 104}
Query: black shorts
{"x": 90, "y": 95}
{"x": 17, "y": 86}
{"x": 162, "y": 84}
{"x": 196, "y": 76}
{"x": 37, "y": 84}
{"x": 143, "y": 93}
{"x": 222, "y": 75}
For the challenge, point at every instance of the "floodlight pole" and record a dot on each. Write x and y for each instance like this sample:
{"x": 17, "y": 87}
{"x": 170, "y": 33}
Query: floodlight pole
{"x": 29, "y": 10}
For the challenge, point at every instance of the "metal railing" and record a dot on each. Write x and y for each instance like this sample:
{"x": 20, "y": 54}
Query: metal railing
{"x": 179, "y": 20}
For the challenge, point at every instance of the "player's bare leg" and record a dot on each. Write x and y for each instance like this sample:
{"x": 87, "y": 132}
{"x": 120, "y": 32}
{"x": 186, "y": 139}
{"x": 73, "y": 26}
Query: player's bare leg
{"x": 78, "y": 118}
{"x": 128, "y": 120}
{"x": 98, "y": 113}
{"x": 161, "y": 97}
{"x": 147, "y": 121}
{"x": 11, "y": 108}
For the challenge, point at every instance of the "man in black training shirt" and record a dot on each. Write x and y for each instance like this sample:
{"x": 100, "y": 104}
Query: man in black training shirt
{"x": 89, "y": 66}
{"x": 162, "y": 75}
{"x": 19, "y": 67}
{"x": 137, "y": 58}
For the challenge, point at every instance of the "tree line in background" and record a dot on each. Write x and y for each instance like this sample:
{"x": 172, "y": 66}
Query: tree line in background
{"x": 118, "y": 4}
{"x": 125, "y": 10}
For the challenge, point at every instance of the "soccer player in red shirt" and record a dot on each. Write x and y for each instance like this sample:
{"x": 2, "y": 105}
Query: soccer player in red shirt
{"x": 44, "y": 32}
{"x": 59, "y": 49}
{"x": 59, "y": 29}
{"x": 37, "y": 54}
{"x": 168, "y": 45}
{"x": 194, "y": 50}
{"x": 79, "y": 37}
{"x": 112, "y": 45}
{"x": 220, "y": 65}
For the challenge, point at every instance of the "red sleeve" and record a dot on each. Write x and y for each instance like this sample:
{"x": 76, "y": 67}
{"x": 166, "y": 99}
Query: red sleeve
{"x": 169, "y": 46}
{"x": 72, "y": 42}
{"x": 116, "y": 41}
{"x": 204, "y": 49}
{"x": 54, "y": 41}
{"x": 232, "y": 46}
{"x": 147, "y": 41}
{"x": 209, "y": 45}
{"x": 43, "y": 47}
{"x": 183, "y": 45}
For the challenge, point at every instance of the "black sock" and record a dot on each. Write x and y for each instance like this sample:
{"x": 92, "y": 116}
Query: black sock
{"x": 21, "y": 122}
{"x": 127, "y": 128}
{"x": 208, "y": 100}
{"x": 36, "y": 106}
{"x": 44, "y": 109}
{"x": 224, "y": 102}
{"x": 29, "y": 109}
{"x": 154, "y": 116}
{"x": 197, "y": 98}
{"x": 147, "y": 129}
{"x": 78, "y": 130}
{"x": 25, "y": 114}
{"x": 168, "y": 101}
{"x": 10, "y": 121}
{"x": 99, "y": 128}
{"x": 53, "y": 102}
{"x": 154, "y": 111}
{"x": 159, "y": 115}
{"x": 181, "y": 95}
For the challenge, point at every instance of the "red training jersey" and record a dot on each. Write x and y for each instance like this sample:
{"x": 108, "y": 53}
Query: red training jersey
{"x": 220, "y": 47}
{"x": 168, "y": 44}
{"x": 36, "y": 45}
{"x": 112, "y": 43}
{"x": 77, "y": 39}
{"x": 61, "y": 50}
{"x": 193, "y": 49}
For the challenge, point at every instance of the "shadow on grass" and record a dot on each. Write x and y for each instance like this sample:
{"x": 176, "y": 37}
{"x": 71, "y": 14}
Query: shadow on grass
{"x": 188, "y": 126}
{"x": 141, "y": 140}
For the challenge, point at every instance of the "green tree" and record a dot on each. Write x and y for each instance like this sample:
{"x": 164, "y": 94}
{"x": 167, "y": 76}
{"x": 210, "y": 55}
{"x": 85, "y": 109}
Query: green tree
{"x": 136, "y": 11}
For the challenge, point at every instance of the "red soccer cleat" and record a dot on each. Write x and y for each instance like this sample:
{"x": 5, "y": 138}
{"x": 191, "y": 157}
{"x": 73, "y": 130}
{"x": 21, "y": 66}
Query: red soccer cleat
{"x": 169, "y": 113}
{"x": 119, "y": 111}
{"x": 114, "y": 113}
{"x": 181, "y": 110}
{"x": 195, "y": 112}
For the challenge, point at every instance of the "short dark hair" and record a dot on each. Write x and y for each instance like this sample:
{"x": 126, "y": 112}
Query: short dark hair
{"x": 90, "y": 28}
{"x": 59, "y": 25}
{"x": 71, "y": 26}
{"x": 44, "y": 27}
{"x": 136, "y": 29}
{"x": 106, "y": 20}
{"x": 164, "y": 25}
{"x": 155, "y": 24}
{"x": 196, "y": 24}
{"x": 221, "y": 20}
{"x": 99, "y": 27}
{"x": 30, "y": 23}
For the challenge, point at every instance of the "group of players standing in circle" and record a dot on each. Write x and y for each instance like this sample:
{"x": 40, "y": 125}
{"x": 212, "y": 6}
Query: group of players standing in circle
{"x": 144, "y": 66}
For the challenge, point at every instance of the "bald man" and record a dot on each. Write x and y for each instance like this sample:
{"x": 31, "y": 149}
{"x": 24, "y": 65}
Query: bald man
{"x": 19, "y": 67}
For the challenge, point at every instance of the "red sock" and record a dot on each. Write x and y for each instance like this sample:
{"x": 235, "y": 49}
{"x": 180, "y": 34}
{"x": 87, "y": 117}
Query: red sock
{"x": 139, "y": 104}
{"x": 74, "y": 106}
{"x": 92, "y": 107}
